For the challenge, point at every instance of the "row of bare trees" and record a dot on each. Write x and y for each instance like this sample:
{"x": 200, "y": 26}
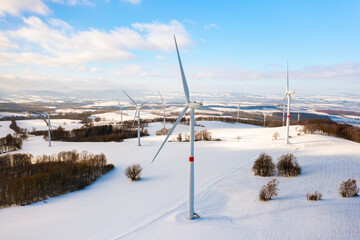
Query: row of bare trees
{"x": 331, "y": 128}
{"x": 25, "y": 179}
{"x": 102, "y": 133}
{"x": 10, "y": 143}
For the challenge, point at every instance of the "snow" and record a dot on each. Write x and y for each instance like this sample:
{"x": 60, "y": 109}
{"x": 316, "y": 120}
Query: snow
{"x": 226, "y": 192}
{"x": 5, "y": 128}
{"x": 40, "y": 124}
{"x": 12, "y": 114}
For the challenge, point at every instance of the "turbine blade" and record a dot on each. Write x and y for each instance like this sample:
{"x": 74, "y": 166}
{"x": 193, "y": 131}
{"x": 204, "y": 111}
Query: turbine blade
{"x": 161, "y": 97}
{"x": 145, "y": 103}
{"x": 171, "y": 131}
{"x": 130, "y": 98}
{"x": 134, "y": 117}
{"x": 118, "y": 102}
{"x": 285, "y": 96}
{"x": 186, "y": 89}
{"x": 287, "y": 76}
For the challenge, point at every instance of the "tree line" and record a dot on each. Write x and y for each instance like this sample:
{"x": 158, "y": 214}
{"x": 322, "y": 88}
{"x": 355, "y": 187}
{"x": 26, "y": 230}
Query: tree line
{"x": 25, "y": 179}
{"x": 10, "y": 143}
{"x": 331, "y": 128}
{"x": 103, "y": 133}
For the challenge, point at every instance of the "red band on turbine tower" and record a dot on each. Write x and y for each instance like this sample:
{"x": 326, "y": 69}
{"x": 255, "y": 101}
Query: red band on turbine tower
{"x": 288, "y": 116}
{"x": 138, "y": 125}
{"x": 191, "y": 159}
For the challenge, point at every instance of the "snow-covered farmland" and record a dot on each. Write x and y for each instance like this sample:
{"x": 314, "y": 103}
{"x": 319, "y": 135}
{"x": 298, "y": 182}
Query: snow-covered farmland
{"x": 5, "y": 129}
{"x": 40, "y": 124}
{"x": 226, "y": 192}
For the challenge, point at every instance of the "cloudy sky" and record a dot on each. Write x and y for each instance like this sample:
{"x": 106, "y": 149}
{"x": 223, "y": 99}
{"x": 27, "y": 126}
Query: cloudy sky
{"x": 226, "y": 46}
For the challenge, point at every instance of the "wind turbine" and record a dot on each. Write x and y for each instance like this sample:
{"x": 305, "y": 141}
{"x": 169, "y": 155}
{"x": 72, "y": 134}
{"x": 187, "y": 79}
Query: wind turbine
{"x": 192, "y": 106}
{"x": 264, "y": 119}
{"x": 49, "y": 123}
{"x": 164, "y": 105}
{"x": 288, "y": 94}
{"x": 239, "y": 110}
{"x": 121, "y": 108}
{"x": 138, "y": 108}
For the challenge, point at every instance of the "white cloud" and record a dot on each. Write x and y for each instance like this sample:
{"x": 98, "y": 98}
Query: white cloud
{"x": 158, "y": 36}
{"x": 160, "y": 57}
{"x": 5, "y": 43}
{"x": 343, "y": 71}
{"x": 132, "y": 1}
{"x": 74, "y": 2}
{"x": 16, "y": 7}
{"x": 139, "y": 71}
{"x": 211, "y": 26}
{"x": 58, "y": 23}
{"x": 63, "y": 47}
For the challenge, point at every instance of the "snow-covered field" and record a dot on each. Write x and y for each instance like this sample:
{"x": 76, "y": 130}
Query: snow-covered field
{"x": 40, "y": 124}
{"x": 5, "y": 129}
{"x": 226, "y": 192}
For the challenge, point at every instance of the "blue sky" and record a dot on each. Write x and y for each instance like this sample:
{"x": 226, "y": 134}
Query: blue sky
{"x": 226, "y": 46}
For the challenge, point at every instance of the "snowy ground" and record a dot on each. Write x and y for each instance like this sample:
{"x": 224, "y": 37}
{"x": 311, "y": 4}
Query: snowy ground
{"x": 226, "y": 192}
{"x": 40, "y": 124}
{"x": 5, "y": 129}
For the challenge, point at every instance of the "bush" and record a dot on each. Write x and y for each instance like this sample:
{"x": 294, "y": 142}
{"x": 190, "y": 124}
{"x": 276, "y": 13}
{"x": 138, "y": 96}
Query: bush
{"x": 288, "y": 166}
{"x": 348, "y": 188}
{"x": 179, "y": 137}
{"x": 163, "y": 131}
{"x": 263, "y": 166}
{"x": 314, "y": 197}
{"x": 275, "y": 135}
{"x": 269, "y": 190}
{"x": 134, "y": 172}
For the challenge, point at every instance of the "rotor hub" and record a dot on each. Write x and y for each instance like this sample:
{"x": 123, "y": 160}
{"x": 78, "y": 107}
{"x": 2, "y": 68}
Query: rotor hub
{"x": 194, "y": 105}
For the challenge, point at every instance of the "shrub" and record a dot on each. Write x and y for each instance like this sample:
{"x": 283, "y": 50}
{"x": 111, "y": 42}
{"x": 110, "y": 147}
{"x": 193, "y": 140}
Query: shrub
{"x": 179, "y": 137}
{"x": 288, "y": 166}
{"x": 348, "y": 188}
{"x": 269, "y": 190}
{"x": 263, "y": 166}
{"x": 275, "y": 135}
{"x": 134, "y": 172}
{"x": 314, "y": 197}
{"x": 238, "y": 138}
{"x": 163, "y": 131}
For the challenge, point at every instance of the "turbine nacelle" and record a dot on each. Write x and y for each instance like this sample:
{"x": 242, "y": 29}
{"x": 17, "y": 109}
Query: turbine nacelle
{"x": 290, "y": 92}
{"x": 194, "y": 105}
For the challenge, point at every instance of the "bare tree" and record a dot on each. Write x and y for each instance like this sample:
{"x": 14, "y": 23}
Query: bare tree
{"x": 269, "y": 190}
{"x": 348, "y": 188}
{"x": 275, "y": 135}
{"x": 134, "y": 172}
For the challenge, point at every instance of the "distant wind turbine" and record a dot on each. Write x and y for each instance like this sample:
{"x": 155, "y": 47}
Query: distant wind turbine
{"x": 287, "y": 94}
{"x": 138, "y": 108}
{"x": 164, "y": 105}
{"x": 192, "y": 105}
{"x": 239, "y": 110}
{"x": 49, "y": 123}
{"x": 121, "y": 108}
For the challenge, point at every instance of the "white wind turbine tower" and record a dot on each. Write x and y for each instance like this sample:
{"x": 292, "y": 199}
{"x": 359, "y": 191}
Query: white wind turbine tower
{"x": 192, "y": 105}
{"x": 121, "y": 108}
{"x": 138, "y": 108}
{"x": 49, "y": 123}
{"x": 164, "y": 105}
{"x": 239, "y": 110}
{"x": 288, "y": 94}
